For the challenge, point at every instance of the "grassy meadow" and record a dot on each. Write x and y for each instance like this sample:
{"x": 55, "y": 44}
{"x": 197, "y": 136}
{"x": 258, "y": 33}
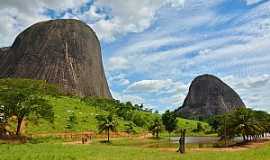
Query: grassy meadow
{"x": 121, "y": 150}
{"x": 85, "y": 115}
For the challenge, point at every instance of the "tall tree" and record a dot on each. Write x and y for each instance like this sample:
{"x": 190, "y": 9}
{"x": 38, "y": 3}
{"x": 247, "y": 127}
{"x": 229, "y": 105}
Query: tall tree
{"x": 22, "y": 98}
{"x": 169, "y": 120}
{"x": 106, "y": 123}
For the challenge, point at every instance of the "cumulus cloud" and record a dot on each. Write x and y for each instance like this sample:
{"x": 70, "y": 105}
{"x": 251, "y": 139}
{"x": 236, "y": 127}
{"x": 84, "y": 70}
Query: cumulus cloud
{"x": 253, "y": 89}
{"x": 149, "y": 86}
{"x": 120, "y": 18}
{"x": 128, "y": 98}
{"x": 16, "y": 15}
{"x": 129, "y": 16}
{"x": 167, "y": 86}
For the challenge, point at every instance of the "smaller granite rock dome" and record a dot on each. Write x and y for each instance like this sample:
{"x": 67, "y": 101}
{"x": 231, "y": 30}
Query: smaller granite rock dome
{"x": 209, "y": 96}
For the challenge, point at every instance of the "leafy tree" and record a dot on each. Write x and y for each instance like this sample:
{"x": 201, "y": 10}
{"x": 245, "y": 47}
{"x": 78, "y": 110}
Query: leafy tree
{"x": 22, "y": 98}
{"x": 170, "y": 121}
{"x": 130, "y": 128}
{"x": 214, "y": 123}
{"x": 199, "y": 127}
{"x": 156, "y": 127}
{"x": 139, "y": 119}
{"x": 106, "y": 123}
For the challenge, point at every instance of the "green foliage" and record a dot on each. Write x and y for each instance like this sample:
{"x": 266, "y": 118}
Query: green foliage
{"x": 156, "y": 127}
{"x": 191, "y": 127}
{"x": 23, "y": 98}
{"x": 129, "y": 112}
{"x": 169, "y": 120}
{"x": 106, "y": 123}
{"x": 199, "y": 127}
{"x": 130, "y": 128}
{"x": 242, "y": 122}
{"x": 71, "y": 120}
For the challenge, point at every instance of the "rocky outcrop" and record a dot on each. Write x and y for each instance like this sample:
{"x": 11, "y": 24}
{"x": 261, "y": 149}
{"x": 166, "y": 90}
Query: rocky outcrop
{"x": 64, "y": 52}
{"x": 208, "y": 96}
{"x": 3, "y": 53}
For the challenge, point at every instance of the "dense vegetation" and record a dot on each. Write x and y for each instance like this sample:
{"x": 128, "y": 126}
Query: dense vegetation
{"x": 245, "y": 122}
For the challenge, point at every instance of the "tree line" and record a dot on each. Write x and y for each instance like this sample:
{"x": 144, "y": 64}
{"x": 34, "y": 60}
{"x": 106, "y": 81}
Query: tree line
{"x": 245, "y": 122}
{"x": 25, "y": 99}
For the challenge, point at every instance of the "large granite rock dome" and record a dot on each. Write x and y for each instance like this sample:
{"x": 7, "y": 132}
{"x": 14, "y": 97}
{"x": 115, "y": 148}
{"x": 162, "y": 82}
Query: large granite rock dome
{"x": 65, "y": 52}
{"x": 208, "y": 96}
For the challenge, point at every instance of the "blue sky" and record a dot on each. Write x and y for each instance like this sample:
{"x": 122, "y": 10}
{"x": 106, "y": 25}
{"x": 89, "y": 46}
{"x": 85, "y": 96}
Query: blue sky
{"x": 152, "y": 49}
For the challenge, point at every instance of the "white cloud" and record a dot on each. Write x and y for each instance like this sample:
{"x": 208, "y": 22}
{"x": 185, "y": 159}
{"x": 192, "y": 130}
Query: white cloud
{"x": 128, "y": 98}
{"x": 119, "y": 79}
{"x": 125, "y": 16}
{"x": 251, "y": 2}
{"x": 252, "y": 89}
{"x": 16, "y": 15}
{"x": 166, "y": 86}
{"x": 173, "y": 101}
{"x": 149, "y": 86}
{"x": 128, "y": 16}
{"x": 250, "y": 82}
{"x": 30, "y": 7}
{"x": 118, "y": 63}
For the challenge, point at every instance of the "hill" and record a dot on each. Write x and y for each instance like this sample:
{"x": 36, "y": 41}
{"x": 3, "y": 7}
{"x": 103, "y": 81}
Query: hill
{"x": 64, "y": 107}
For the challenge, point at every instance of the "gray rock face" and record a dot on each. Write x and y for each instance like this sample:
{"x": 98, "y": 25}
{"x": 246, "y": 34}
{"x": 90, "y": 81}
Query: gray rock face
{"x": 209, "y": 96}
{"x": 64, "y": 52}
{"x": 3, "y": 53}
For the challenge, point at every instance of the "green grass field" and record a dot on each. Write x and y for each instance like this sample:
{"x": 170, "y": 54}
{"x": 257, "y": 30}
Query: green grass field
{"x": 118, "y": 152}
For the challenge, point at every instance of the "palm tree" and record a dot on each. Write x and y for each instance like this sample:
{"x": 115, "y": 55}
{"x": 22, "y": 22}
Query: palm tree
{"x": 106, "y": 123}
{"x": 245, "y": 123}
